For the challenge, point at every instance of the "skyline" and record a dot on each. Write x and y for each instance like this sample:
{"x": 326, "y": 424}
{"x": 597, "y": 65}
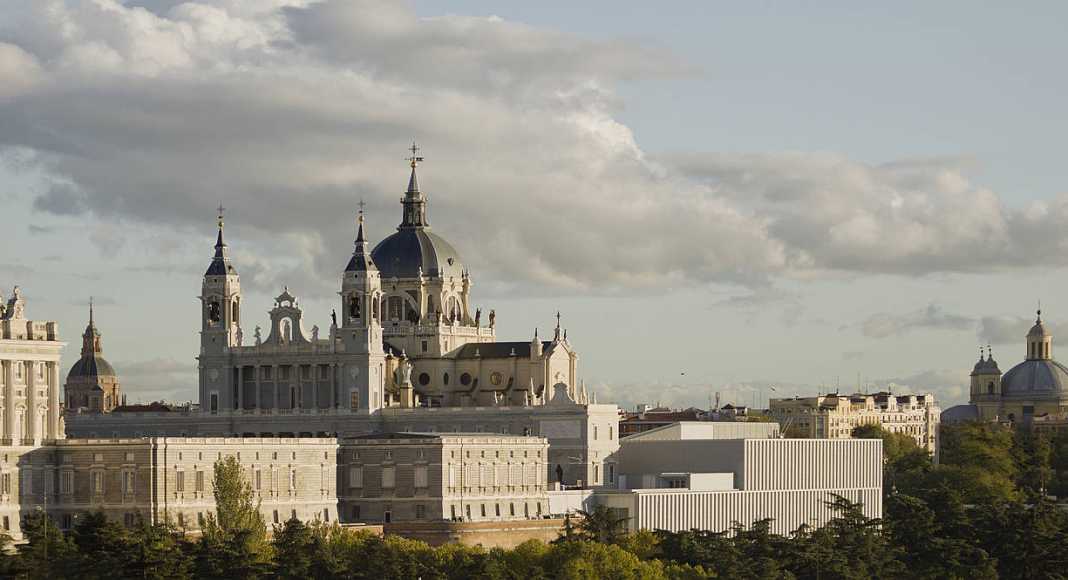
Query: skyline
{"x": 574, "y": 166}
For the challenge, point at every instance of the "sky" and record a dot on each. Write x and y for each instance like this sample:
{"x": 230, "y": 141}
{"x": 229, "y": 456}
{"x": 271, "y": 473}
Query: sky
{"x": 751, "y": 198}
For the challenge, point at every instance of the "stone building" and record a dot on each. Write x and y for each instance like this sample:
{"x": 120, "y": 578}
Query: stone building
{"x": 403, "y": 351}
{"x": 1034, "y": 391}
{"x": 401, "y": 477}
{"x": 92, "y": 385}
{"x": 130, "y": 478}
{"x": 835, "y": 416}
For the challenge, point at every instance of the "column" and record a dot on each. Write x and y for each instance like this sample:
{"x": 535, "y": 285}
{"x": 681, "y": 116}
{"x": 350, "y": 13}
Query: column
{"x": 31, "y": 400}
{"x": 333, "y": 386}
{"x": 256, "y": 379}
{"x": 53, "y": 400}
{"x": 274, "y": 373}
{"x": 241, "y": 387}
{"x": 9, "y": 398}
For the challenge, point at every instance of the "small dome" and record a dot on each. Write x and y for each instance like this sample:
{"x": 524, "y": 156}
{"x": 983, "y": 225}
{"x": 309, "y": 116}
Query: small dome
{"x": 409, "y": 250}
{"x": 1036, "y": 378}
{"x": 1038, "y": 329}
{"x": 91, "y": 366}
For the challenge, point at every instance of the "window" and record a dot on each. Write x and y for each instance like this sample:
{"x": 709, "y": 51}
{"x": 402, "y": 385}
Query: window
{"x": 595, "y": 432}
{"x": 179, "y": 481}
{"x": 326, "y": 514}
{"x": 420, "y": 512}
{"x": 274, "y": 516}
{"x": 258, "y": 479}
{"x": 468, "y": 509}
{"x": 200, "y": 519}
{"x": 98, "y": 482}
{"x": 609, "y": 432}
{"x": 445, "y": 378}
{"x": 66, "y": 482}
{"x": 198, "y": 481}
{"x": 497, "y": 509}
{"x": 5, "y": 484}
{"x": 424, "y": 379}
{"x": 420, "y": 476}
{"x": 452, "y": 511}
{"x": 355, "y": 477}
{"x": 465, "y": 379}
{"x": 511, "y": 509}
{"x": 388, "y": 477}
{"x": 68, "y": 521}
{"x": 181, "y": 520}
{"x": 127, "y": 482}
{"x": 452, "y": 476}
{"x": 292, "y": 479}
{"x": 354, "y": 400}
{"x": 424, "y": 346}
{"x": 483, "y": 510}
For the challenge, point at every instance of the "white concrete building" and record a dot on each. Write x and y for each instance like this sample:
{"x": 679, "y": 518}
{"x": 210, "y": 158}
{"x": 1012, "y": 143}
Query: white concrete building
{"x": 835, "y": 416}
{"x": 677, "y": 479}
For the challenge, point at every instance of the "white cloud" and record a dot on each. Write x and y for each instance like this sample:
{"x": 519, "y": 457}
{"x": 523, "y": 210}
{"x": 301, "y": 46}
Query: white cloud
{"x": 883, "y": 325}
{"x": 292, "y": 111}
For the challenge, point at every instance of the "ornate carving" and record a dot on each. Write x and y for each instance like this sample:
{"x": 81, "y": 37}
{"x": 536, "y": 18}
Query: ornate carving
{"x": 492, "y": 318}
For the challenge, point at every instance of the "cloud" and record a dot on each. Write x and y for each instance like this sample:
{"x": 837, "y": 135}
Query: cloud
{"x": 1013, "y": 329}
{"x": 157, "y": 379}
{"x": 853, "y": 355}
{"x": 40, "y": 230}
{"x": 885, "y": 325}
{"x": 291, "y": 111}
{"x": 949, "y": 386}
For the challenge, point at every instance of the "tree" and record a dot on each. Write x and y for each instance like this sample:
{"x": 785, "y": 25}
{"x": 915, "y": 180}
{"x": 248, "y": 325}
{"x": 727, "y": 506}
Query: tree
{"x": 47, "y": 553}
{"x": 157, "y": 552}
{"x": 104, "y": 545}
{"x": 234, "y": 544}
{"x": 293, "y": 546}
{"x": 977, "y": 459}
{"x": 1033, "y": 452}
{"x": 601, "y": 524}
{"x": 853, "y": 546}
{"x": 904, "y": 462}
{"x": 929, "y": 545}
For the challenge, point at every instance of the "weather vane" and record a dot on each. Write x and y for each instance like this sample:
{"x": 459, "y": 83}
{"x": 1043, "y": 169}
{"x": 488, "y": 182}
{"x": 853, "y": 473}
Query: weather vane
{"x": 415, "y": 158}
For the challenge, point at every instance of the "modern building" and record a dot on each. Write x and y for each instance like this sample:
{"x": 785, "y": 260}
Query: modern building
{"x": 404, "y": 351}
{"x": 1034, "y": 389}
{"x": 698, "y": 476}
{"x": 645, "y": 418}
{"x": 92, "y": 383}
{"x": 835, "y": 416}
{"x": 471, "y": 477}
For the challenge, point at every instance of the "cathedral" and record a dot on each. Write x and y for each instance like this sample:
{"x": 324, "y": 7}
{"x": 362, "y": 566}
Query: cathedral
{"x": 403, "y": 335}
{"x": 1036, "y": 387}
{"x": 92, "y": 385}
{"x": 403, "y": 351}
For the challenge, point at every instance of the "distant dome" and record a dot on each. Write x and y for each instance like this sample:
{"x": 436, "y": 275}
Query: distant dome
{"x": 91, "y": 367}
{"x": 406, "y": 252}
{"x": 1036, "y": 378}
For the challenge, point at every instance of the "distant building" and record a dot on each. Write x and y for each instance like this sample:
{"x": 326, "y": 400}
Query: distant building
{"x": 92, "y": 384}
{"x": 1033, "y": 391}
{"x": 835, "y": 416}
{"x": 404, "y": 477}
{"x": 645, "y": 418}
{"x": 702, "y": 476}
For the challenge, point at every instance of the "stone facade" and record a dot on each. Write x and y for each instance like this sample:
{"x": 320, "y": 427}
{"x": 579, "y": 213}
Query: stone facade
{"x": 835, "y": 416}
{"x": 412, "y": 477}
{"x": 29, "y": 376}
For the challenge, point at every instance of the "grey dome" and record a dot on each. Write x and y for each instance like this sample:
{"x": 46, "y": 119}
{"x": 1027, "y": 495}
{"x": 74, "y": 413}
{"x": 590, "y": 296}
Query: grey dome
{"x": 1036, "y": 378}
{"x": 960, "y": 413}
{"x": 402, "y": 254}
{"x": 91, "y": 366}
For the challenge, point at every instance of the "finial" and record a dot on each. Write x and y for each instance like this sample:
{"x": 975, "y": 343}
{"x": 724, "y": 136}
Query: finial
{"x": 90, "y": 311}
{"x": 415, "y": 158}
{"x": 558, "y": 319}
{"x": 1039, "y": 311}
{"x": 989, "y": 352}
{"x": 221, "y": 210}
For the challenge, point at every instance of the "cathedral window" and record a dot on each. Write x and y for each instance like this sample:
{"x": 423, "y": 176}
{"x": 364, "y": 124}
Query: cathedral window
{"x": 394, "y": 305}
{"x": 354, "y": 306}
{"x": 445, "y": 379}
{"x": 354, "y": 400}
{"x": 465, "y": 379}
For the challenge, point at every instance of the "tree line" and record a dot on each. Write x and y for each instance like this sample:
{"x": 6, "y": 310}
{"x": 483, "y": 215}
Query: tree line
{"x": 987, "y": 510}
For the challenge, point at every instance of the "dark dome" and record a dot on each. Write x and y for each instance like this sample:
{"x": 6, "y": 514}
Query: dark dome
{"x": 402, "y": 254}
{"x": 1036, "y": 378}
{"x": 91, "y": 366}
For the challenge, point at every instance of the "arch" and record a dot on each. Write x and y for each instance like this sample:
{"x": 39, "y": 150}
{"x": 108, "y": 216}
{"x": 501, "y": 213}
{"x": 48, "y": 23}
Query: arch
{"x": 374, "y": 306}
{"x": 235, "y": 310}
{"x": 445, "y": 379}
{"x": 355, "y": 306}
{"x": 990, "y": 388}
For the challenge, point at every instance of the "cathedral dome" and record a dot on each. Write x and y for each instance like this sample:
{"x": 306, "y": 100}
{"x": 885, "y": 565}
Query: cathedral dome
{"x": 414, "y": 249}
{"x": 1036, "y": 378}
{"x": 91, "y": 366}
{"x": 408, "y": 252}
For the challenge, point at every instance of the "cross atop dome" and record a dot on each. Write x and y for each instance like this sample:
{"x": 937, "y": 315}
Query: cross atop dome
{"x": 415, "y": 158}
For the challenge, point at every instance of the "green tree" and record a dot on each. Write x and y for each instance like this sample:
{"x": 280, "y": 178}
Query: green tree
{"x": 234, "y": 543}
{"x": 930, "y": 547}
{"x": 1033, "y": 454}
{"x": 1027, "y": 540}
{"x": 852, "y": 546}
{"x": 904, "y": 462}
{"x": 47, "y": 553}
{"x": 293, "y": 550}
{"x": 104, "y": 545}
{"x": 977, "y": 458}
{"x": 601, "y": 524}
{"x": 157, "y": 552}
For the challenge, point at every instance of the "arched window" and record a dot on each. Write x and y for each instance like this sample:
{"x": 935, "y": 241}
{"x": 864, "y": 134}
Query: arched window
{"x": 394, "y": 305}
{"x": 445, "y": 379}
{"x": 990, "y": 388}
{"x": 374, "y": 307}
{"x": 236, "y": 310}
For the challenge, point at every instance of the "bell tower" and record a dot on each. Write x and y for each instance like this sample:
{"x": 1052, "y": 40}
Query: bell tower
{"x": 220, "y": 327}
{"x": 359, "y": 330}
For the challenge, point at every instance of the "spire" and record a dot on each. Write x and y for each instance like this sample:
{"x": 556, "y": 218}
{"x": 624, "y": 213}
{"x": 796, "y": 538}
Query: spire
{"x": 556, "y": 334}
{"x": 91, "y": 337}
{"x": 361, "y": 256}
{"x": 414, "y": 201}
{"x": 220, "y": 262}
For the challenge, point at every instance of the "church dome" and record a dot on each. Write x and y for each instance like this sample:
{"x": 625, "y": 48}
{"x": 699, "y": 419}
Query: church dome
{"x": 91, "y": 366}
{"x": 409, "y": 251}
{"x": 414, "y": 249}
{"x": 1036, "y": 378}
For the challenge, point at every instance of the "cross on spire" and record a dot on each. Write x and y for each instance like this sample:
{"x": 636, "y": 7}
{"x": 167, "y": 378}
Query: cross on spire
{"x": 221, "y": 212}
{"x": 415, "y": 157}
